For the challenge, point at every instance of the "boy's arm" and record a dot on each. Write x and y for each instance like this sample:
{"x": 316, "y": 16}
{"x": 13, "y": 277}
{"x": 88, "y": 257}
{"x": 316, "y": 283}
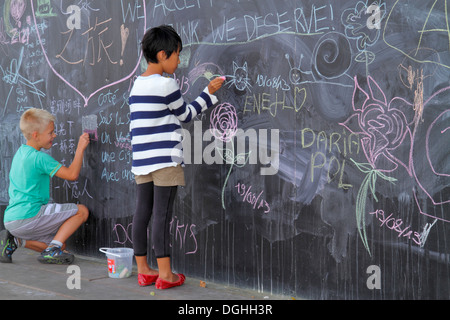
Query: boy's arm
{"x": 72, "y": 172}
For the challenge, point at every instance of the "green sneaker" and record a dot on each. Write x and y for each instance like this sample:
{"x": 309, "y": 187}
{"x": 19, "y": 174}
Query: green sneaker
{"x": 55, "y": 255}
{"x": 7, "y": 246}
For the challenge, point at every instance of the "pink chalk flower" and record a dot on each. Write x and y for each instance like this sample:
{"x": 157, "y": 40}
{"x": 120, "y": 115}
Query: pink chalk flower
{"x": 224, "y": 122}
{"x": 383, "y": 126}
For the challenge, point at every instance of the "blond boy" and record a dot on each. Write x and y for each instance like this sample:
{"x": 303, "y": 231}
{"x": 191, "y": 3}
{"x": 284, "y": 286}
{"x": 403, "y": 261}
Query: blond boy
{"x": 30, "y": 220}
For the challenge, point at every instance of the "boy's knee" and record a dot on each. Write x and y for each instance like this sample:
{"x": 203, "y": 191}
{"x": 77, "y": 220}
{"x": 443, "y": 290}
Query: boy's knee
{"x": 83, "y": 211}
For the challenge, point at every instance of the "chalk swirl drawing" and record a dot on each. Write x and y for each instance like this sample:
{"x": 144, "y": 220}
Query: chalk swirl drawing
{"x": 384, "y": 128}
{"x": 332, "y": 55}
{"x": 224, "y": 126}
{"x": 107, "y": 82}
{"x": 224, "y": 122}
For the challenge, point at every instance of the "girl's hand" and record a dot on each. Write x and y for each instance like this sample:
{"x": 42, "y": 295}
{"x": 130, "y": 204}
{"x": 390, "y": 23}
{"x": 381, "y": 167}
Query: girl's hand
{"x": 216, "y": 84}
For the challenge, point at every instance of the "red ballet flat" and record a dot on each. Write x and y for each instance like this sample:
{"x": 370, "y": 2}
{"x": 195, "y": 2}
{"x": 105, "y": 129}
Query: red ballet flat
{"x": 163, "y": 284}
{"x": 146, "y": 279}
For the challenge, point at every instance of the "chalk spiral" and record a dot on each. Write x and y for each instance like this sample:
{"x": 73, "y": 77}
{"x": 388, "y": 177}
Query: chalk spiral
{"x": 224, "y": 122}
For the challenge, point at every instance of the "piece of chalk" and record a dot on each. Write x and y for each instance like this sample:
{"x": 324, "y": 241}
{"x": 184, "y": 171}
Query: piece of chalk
{"x": 223, "y": 78}
{"x": 123, "y": 273}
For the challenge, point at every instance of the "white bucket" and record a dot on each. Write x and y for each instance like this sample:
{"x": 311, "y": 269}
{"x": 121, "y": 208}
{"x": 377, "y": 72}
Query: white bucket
{"x": 120, "y": 261}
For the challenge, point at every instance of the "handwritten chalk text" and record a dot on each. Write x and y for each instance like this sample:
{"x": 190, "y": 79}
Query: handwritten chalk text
{"x": 397, "y": 225}
{"x": 253, "y": 197}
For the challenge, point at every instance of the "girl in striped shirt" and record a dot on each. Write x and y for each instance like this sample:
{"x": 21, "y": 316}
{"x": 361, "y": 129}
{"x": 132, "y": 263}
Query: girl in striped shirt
{"x": 156, "y": 108}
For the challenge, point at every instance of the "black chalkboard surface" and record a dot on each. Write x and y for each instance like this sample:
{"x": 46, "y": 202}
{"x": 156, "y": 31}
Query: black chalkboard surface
{"x": 333, "y": 181}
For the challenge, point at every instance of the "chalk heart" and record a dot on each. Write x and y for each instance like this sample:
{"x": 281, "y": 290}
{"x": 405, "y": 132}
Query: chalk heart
{"x": 301, "y": 98}
{"x": 17, "y": 8}
{"x": 124, "y": 34}
{"x": 78, "y": 51}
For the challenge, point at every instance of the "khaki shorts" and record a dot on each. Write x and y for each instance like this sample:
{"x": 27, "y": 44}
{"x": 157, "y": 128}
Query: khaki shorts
{"x": 165, "y": 177}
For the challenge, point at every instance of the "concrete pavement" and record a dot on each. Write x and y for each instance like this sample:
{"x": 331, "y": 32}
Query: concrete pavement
{"x": 27, "y": 279}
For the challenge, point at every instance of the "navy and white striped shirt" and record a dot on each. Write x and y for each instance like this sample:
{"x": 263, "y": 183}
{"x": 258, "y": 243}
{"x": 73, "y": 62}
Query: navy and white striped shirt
{"x": 156, "y": 109}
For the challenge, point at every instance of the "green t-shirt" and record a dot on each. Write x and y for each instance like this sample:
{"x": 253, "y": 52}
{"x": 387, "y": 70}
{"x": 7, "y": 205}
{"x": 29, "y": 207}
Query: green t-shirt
{"x": 29, "y": 183}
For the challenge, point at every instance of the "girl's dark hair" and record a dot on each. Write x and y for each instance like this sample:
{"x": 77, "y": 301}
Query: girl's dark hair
{"x": 160, "y": 38}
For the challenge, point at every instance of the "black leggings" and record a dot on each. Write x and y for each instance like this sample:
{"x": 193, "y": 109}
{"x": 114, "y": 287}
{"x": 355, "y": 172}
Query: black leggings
{"x": 157, "y": 200}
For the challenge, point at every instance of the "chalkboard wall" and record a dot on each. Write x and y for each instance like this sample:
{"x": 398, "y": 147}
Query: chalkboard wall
{"x": 334, "y": 182}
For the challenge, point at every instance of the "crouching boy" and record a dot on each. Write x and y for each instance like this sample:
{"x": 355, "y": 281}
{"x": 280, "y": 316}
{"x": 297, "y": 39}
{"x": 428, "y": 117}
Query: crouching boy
{"x": 30, "y": 220}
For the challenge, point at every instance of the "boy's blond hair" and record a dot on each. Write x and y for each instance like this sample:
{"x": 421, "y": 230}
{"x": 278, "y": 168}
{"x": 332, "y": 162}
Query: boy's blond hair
{"x": 34, "y": 120}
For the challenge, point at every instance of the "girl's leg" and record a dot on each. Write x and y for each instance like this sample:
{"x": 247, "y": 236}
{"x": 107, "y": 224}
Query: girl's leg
{"x": 163, "y": 206}
{"x": 141, "y": 219}
{"x": 165, "y": 270}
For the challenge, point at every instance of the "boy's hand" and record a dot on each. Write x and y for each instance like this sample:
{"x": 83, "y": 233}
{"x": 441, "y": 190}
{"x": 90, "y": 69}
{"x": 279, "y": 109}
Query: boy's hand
{"x": 215, "y": 84}
{"x": 73, "y": 171}
{"x": 84, "y": 141}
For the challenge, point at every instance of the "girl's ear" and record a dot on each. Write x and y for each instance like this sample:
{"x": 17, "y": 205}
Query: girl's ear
{"x": 161, "y": 56}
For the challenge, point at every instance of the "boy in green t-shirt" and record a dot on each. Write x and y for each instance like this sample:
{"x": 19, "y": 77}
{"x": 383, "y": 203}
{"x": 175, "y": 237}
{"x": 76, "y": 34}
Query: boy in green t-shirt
{"x": 30, "y": 220}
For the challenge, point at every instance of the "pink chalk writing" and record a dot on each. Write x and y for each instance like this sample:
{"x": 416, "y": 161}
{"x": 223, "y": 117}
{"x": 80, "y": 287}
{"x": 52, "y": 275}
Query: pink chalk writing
{"x": 396, "y": 225}
{"x": 254, "y": 198}
{"x": 87, "y": 96}
{"x": 184, "y": 235}
{"x": 122, "y": 233}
